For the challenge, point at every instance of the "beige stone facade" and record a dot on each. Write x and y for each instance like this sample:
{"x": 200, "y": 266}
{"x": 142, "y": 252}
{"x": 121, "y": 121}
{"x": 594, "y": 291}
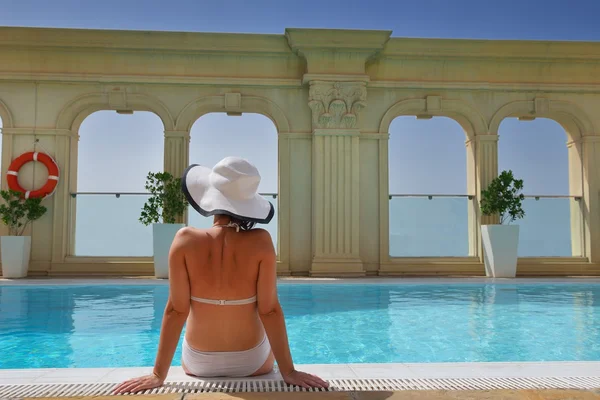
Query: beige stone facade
{"x": 332, "y": 94}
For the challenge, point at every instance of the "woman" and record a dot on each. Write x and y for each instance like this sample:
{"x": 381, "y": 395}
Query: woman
{"x": 222, "y": 281}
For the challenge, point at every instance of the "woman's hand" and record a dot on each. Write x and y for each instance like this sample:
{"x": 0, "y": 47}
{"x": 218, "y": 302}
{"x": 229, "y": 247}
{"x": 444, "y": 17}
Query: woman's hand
{"x": 304, "y": 380}
{"x": 138, "y": 384}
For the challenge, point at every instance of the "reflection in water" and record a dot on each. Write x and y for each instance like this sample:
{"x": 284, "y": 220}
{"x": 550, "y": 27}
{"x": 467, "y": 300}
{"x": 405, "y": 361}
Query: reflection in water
{"x": 104, "y": 326}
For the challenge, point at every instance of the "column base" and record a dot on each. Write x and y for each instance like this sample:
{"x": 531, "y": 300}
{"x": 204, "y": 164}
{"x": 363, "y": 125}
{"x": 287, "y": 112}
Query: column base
{"x": 337, "y": 267}
{"x": 283, "y": 269}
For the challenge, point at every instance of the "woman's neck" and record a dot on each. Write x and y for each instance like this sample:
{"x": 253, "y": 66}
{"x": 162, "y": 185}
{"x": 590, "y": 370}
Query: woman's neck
{"x": 221, "y": 220}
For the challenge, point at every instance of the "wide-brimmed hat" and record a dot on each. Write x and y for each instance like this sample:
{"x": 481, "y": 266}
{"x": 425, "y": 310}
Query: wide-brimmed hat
{"x": 230, "y": 188}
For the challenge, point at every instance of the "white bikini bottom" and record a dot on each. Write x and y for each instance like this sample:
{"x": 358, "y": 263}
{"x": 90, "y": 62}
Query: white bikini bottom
{"x": 233, "y": 364}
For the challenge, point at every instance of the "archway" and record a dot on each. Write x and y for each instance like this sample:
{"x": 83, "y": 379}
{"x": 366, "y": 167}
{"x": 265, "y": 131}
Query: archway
{"x": 115, "y": 153}
{"x": 250, "y": 136}
{"x": 428, "y": 199}
{"x": 536, "y": 151}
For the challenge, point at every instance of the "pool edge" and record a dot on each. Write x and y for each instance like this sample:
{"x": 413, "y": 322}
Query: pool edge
{"x": 476, "y": 370}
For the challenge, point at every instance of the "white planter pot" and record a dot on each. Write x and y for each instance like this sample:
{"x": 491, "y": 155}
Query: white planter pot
{"x": 500, "y": 246}
{"x": 162, "y": 237}
{"x": 15, "y": 256}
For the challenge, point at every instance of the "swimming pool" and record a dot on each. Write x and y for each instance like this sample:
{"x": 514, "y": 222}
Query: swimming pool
{"x": 118, "y": 325}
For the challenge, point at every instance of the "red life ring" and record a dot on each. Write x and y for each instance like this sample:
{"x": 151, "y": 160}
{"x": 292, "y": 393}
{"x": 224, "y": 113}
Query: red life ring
{"x": 15, "y": 166}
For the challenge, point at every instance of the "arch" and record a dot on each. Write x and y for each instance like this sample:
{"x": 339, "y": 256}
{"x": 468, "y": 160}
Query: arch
{"x": 6, "y": 116}
{"x": 469, "y": 118}
{"x": 73, "y": 114}
{"x": 250, "y": 104}
{"x": 573, "y": 120}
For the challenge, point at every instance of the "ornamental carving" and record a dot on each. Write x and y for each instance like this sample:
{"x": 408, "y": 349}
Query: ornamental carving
{"x": 336, "y": 105}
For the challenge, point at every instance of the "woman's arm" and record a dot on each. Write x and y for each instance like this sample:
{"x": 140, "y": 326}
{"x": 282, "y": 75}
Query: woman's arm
{"x": 175, "y": 315}
{"x": 273, "y": 319}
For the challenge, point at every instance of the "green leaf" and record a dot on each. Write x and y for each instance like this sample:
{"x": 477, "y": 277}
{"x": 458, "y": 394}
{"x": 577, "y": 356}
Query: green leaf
{"x": 17, "y": 212}
{"x": 167, "y": 202}
{"x": 503, "y": 198}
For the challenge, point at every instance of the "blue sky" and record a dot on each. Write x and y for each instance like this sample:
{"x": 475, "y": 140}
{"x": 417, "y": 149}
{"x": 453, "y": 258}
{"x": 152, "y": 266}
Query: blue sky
{"x": 436, "y": 146}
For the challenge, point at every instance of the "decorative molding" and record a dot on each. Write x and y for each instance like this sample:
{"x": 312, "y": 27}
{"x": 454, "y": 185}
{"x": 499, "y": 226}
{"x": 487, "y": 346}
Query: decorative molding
{"x": 74, "y": 112}
{"x": 336, "y": 132}
{"x": 336, "y": 104}
{"x": 38, "y": 131}
{"x": 251, "y": 104}
{"x": 486, "y": 86}
{"x": 233, "y": 102}
{"x": 584, "y": 139}
{"x": 506, "y": 50}
{"x": 5, "y": 115}
{"x": 466, "y": 115}
{"x": 143, "y": 41}
{"x": 163, "y": 79}
{"x": 542, "y": 105}
{"x": 574, "y": 120}
{"x": 117, "y": 99}
{"x": 177, "y": 134}
{"x": 307, "y": 78}
{"x": 347, "y": 50}
{"x": 296, "y": 135}
{"x": 434, "y": 104}
{"x": 374, "y": 136}
{"x": 301, "y": 40}
{"x": 491, "y": 137}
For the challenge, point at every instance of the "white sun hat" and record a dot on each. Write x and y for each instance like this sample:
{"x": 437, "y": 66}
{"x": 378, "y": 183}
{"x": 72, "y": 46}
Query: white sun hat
{"x": 229, "y": 188}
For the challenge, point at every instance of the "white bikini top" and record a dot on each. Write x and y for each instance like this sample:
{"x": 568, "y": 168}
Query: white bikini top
{"x": 225, "y": 302}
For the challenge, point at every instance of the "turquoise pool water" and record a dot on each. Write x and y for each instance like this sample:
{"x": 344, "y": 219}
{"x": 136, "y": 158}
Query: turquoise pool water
{"x": 118, "y": 326}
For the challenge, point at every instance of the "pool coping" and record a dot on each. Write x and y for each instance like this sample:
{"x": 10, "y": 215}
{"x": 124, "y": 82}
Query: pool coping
{"x": 474, "y": 370}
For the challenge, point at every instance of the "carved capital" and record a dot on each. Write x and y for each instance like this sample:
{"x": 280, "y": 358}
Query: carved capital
{"x": 336, "y": 104}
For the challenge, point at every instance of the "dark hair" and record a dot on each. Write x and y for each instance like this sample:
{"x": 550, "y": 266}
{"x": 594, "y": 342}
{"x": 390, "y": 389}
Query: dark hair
{"x": 244, "y": 224}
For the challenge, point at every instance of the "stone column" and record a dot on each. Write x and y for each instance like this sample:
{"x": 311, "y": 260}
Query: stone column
{"x": 588, "y": 151}
{"x": 335, "y": 109}
{"x": 482, "y": 168}
{"x": 283, "y": 204}
{"x": 176, "y": 152}
{"x": 486, "y": 167}
{"x": 577, "y": 204}
{"x": 64, "y": 204}
{"x": 176, "y": 155}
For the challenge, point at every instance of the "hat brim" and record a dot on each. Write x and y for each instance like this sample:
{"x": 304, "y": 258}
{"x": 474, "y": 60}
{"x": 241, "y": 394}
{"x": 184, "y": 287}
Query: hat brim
{"x": 208, "y": 201}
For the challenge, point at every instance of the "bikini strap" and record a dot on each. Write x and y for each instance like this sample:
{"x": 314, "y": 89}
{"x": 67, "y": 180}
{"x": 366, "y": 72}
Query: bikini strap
{"x": 225, "y": 302}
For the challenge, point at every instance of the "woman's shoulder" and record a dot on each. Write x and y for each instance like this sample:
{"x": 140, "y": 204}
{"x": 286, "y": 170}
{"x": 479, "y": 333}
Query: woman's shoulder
{"x": 260, "y": 233}
{"x": 260, "y": 239}
{"x": 190, "y": 234}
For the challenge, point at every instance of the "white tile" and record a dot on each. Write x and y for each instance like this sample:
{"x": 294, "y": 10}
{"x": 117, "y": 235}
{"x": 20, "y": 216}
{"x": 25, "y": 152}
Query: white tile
{"x": 117, "y": 375}
{"x": 381, "y": 371}
{"x": 329, "y": 371}
{"x": 74, "y": 375}
{"x": 473, "y": 370}
{"x": 24, "y": 373}
{"x": 15, "y": 381}
{"x": 325, "y": 371}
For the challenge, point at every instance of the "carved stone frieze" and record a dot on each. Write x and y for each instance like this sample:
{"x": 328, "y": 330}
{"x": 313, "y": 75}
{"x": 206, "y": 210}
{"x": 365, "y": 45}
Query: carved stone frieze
{"x": 336, "y": 105}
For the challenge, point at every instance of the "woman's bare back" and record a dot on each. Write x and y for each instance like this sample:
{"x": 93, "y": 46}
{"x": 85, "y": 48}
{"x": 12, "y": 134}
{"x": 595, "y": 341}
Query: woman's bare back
{"x": 223, "y": 264}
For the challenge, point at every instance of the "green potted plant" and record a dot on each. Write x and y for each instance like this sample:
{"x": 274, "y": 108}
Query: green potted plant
{"x": 502, "y": 199}
{"x": 163, "y": 210}
{"x": 17, "y": 213}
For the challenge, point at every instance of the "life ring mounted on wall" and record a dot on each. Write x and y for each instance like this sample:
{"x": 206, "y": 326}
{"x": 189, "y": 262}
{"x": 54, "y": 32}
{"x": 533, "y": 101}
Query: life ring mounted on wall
{"x": 12, "y": 176}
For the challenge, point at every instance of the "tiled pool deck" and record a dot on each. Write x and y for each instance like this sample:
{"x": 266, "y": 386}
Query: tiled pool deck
{"x": 327, "y": 371}
{"x": 452, "y": 373}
